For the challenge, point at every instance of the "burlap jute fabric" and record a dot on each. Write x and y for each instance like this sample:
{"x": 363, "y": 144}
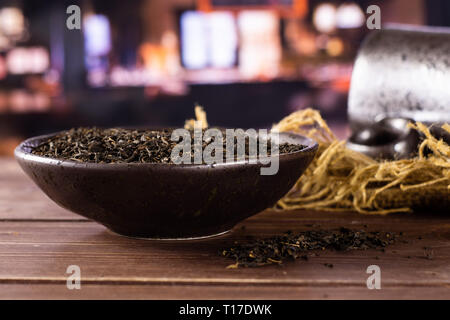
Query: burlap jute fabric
{"x": 340, "y": 179}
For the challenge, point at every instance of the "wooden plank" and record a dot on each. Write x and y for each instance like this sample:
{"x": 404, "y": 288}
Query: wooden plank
{"x": 107, "y": 291}
{"x": 38, "y": 240}
{"x": 21, "y": 199}
{"x": 38, "y": 253}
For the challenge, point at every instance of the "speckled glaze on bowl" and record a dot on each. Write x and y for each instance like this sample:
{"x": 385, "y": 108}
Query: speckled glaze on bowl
{"x": 165, "y": 201}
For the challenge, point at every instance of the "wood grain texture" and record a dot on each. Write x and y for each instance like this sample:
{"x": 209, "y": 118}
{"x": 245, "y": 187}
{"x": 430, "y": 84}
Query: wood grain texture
{"x": 37, "y": 247}
{"x": 108, "y": 291}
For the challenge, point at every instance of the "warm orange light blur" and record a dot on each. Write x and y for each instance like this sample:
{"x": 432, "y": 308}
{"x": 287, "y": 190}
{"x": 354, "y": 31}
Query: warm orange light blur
{"x": 335, "y": 47}
{"x": 298, "y": 9}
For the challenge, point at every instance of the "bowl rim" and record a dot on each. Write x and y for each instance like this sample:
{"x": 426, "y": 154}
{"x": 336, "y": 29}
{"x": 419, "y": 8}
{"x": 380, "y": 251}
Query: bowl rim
{"x": 21, "y": 154}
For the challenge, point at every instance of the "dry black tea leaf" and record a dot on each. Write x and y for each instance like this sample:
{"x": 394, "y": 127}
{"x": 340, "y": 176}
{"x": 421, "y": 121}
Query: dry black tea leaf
{"x": 292, "y": 246}
{"x": 117, "y": 145}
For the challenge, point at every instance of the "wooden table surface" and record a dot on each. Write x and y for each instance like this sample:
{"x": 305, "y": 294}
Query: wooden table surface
{"x": 39, "y": 240}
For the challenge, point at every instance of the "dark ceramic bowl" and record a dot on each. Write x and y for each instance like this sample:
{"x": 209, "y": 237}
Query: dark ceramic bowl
{"x": 165, "y": 201}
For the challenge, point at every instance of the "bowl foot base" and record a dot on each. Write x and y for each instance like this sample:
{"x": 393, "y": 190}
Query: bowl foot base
{"x": 168, "y": 238}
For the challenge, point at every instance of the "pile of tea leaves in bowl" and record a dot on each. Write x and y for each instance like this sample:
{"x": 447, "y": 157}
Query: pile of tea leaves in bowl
{"x": 291, "y": 246}
{"x": 118, "y": 145}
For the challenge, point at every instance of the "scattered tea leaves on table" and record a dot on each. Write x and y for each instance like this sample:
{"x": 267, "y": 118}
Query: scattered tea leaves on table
{"x": 275, "y": 250}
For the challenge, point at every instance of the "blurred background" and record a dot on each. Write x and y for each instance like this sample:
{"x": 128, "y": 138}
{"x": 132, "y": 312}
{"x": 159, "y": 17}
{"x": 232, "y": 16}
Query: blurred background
{"x": 145, "y": 63}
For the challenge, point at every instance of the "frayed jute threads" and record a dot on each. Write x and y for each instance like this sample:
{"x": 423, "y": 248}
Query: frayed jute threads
{"x": 340, "y": 179}
{"x": 200, "y": 121}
